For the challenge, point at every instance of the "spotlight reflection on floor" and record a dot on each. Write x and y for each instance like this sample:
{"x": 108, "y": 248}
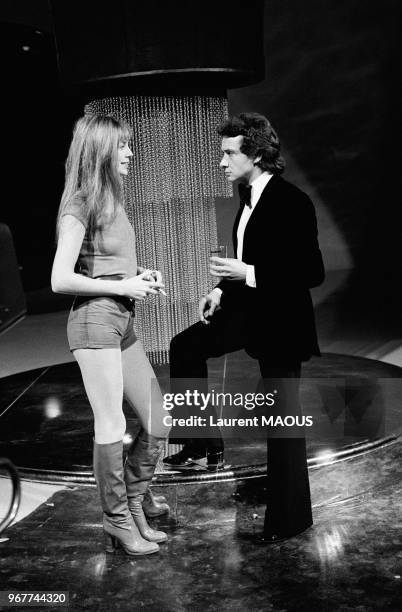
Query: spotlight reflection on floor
{"x": 325, "y": 456}
{"x": 52, "y": 407}
{"x": 96, "y": 566}
{"x": 330, "y": 545}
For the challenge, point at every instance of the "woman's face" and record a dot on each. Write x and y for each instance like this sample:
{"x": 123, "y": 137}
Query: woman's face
{"x": 123, "y": 157}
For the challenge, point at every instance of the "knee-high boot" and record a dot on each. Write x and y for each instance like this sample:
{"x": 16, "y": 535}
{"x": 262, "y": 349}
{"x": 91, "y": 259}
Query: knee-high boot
{"x": 154, "y": 505}
{"x": 118, "y": 525}
{"x": 138, "y": 471}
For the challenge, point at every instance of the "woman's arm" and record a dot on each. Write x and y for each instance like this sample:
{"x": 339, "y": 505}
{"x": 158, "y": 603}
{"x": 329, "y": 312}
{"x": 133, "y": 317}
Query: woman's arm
{"x": 65, "y": 280}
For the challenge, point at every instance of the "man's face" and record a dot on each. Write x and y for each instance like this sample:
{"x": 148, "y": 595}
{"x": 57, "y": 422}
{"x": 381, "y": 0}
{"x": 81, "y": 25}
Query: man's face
{"x": 236, "y": 164}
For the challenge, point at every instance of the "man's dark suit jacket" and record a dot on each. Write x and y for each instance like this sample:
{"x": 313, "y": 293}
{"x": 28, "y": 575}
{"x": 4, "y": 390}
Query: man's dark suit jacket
{"x": 280, "y": 240}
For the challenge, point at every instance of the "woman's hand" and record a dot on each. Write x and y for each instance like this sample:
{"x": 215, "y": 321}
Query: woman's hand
{"x": 155, "y": 275}
{"x": 139, "y": 287}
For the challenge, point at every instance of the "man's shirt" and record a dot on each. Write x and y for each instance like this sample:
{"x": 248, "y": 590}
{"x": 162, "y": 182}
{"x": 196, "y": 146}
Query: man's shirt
{"x": 257, "y": 187}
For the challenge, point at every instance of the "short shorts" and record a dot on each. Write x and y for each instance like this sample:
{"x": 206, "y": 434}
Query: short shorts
{"x": 101, "y": 322}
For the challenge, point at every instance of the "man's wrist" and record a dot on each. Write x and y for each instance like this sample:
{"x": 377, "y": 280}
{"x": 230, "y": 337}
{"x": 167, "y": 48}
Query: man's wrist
{"x": 218, "y": 292}
{"x": 250, "y": 276}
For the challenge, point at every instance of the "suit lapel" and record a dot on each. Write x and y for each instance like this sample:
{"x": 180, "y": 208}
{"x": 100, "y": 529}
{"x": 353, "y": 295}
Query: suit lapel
{"x": 235, "y": 226}
{"x": 270, "y": 187}
{"x": 267, "y": 192}
{"x": 255, "y": 226}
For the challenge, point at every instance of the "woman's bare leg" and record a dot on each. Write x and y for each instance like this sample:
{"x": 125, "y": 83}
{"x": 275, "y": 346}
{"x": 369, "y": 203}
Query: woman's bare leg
{"x": 141, "y": 389}
{"x": 101, "y": 371}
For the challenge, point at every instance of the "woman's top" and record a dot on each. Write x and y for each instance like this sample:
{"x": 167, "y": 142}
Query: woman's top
{"x": 111, "y": 252}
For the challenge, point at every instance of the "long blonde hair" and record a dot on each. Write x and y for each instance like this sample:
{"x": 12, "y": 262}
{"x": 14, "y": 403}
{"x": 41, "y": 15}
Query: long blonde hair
{"x": 92, "y": 178}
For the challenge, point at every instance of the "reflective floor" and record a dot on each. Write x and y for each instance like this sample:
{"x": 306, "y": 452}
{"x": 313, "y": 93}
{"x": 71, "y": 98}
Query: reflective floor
{"x": 349, "y": 560}
{"x": 47, "y": 425}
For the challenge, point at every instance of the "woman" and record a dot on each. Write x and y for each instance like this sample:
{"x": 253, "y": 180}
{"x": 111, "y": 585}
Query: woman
{"x": 96, "y": 261}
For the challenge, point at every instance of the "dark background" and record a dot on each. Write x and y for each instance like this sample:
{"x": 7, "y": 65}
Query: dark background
{"x": 331, "y": 91}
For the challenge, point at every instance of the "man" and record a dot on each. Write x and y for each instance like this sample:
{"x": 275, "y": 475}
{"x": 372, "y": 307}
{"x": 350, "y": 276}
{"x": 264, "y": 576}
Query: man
{"x": 262, "y": 304}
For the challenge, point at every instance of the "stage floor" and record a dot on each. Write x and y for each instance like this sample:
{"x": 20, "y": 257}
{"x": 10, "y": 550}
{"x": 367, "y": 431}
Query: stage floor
{"x": 349, "y": 560}
{"x": 47, "y": 424}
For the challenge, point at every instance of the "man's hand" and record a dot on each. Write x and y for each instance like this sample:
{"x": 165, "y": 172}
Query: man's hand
{"x": 229, "y": 268}
{"x": 208, "y": 304}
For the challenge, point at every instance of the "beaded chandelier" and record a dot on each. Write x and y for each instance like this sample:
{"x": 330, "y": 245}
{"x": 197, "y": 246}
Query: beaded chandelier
{"x": 170, "y": 201}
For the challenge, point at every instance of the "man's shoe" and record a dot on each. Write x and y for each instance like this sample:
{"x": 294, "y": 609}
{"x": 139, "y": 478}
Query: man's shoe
{"x": 272, "y": 538}
{"x": 215, "y": 461}
{"x": 183, "y": 459}
{"x": 269, "y": 537}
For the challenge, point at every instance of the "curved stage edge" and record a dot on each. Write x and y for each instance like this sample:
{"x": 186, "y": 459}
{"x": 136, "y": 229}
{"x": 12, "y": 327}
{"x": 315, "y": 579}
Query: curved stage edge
{"x": 241, "y": 472}
{"x": 34, "y": 425}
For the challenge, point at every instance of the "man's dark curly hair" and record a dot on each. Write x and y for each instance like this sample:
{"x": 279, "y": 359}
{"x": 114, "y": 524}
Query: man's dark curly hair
{"x": 259, "y": 138}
